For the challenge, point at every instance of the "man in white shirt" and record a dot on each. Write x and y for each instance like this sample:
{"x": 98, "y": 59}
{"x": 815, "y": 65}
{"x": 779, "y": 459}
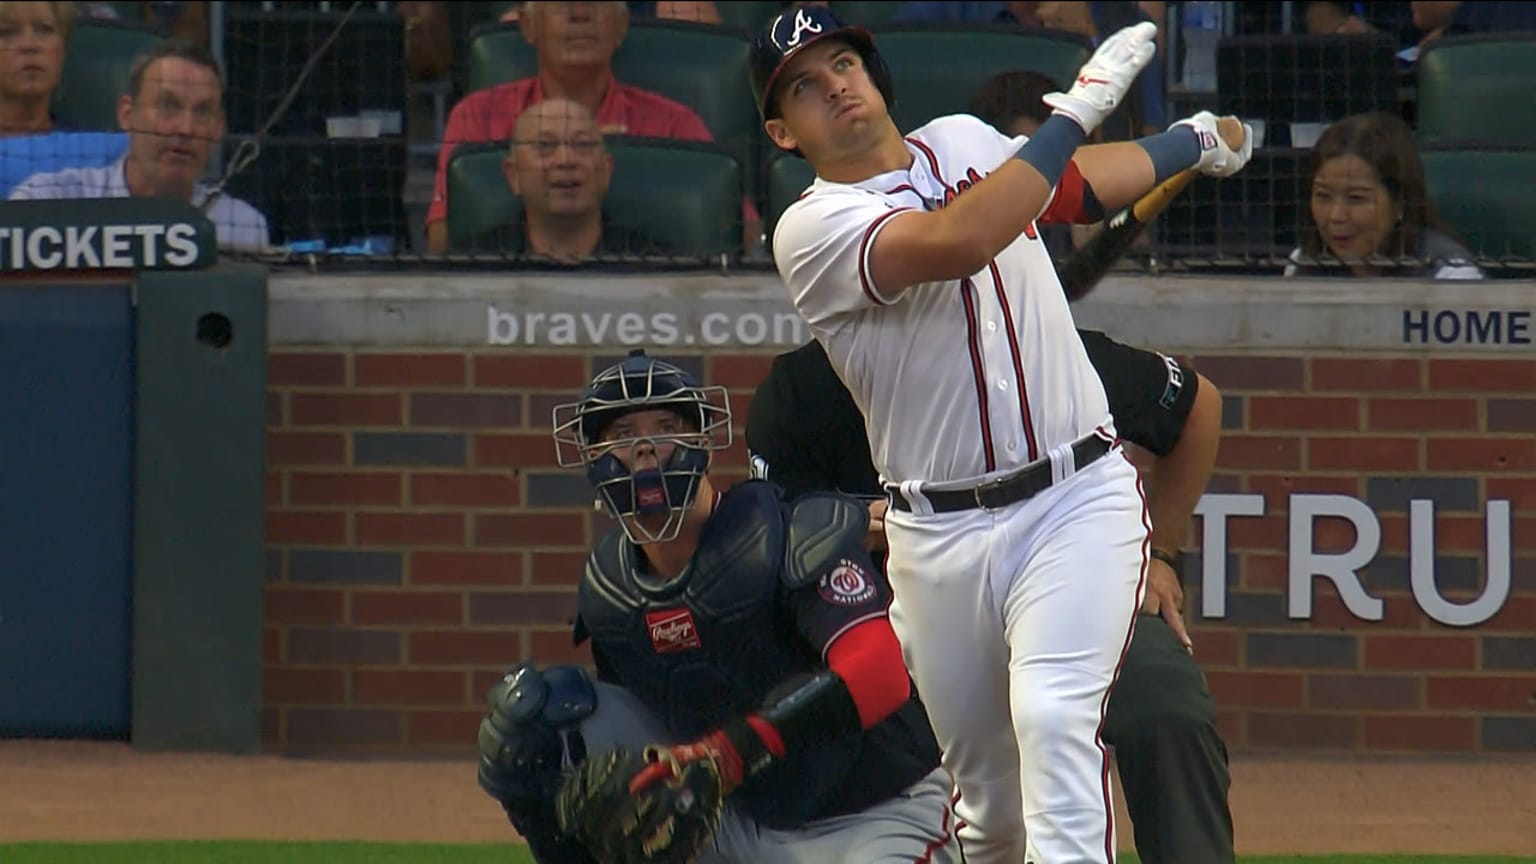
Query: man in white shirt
{"x": 1017, "y": 532}
{"x": 173, "y": 113}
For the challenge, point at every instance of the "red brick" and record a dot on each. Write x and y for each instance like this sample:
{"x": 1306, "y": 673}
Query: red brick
{"x": 1333, "y": 534}
{"x": 744, "y": 371}
{"x": 536, "y": 450}
{"x": 1358, "y": 453}
{"x": 304, "y": 686}
{"x": 484, "y": 648}
{"x": 275, "y": 409}
{"x": 384, "y": 687}
{"x": 740, "y": 402}
{"x": 1265, "y": 572}
{"x": 306, "y": 528}
{"x": 406, "y": 608}
{"x": 455, "y": 729}
{"x": 346, "y": 409}
{"x": 374, "y": 488}
{"x": 1231, "y": 725}
{"x": 1212, "y": 647}
{"x": 1257, "y": 532}
{"x": 1486, "y": 375}
{"x": 1420, "y": 733}
{"x": 1421, "y": 415}
{"x": 556, "y": 568}
{"x": 466, "y": 568}
{"x": 1303, "y": 412}
{"x": 1514, "y": 617}
{"x": 1256, "y": 689}
{"x": 1520, "y": 492}
{"x": 531, "y": 529}
{"x": 465, "y": 490}
{"x": 518, "y": 370}
{"x": 410, "y": 370}
{"x": 1259, "y": 452}
{"x": 1504, "y": 694}
{"x": 285, "y": 369}
{"x": 275, "y": 487}
{"x": 410, "y": 529}
{"x": 1243, "y": 373}
{"x": 1364, "y": 692}
{"x": 1420, "y": 652}
{"x": 1394, "y": 533}
{"x": 271, "y": 645}
{"x": 304, "y": 606}
{"x": 1359, "y": 374}
{"x": 1483, "y": 454}
{"x": 306, "y": 448}
{"x": 554, "y": 647}
{"x": 481, "y": 680}
{"x": 1303, "y": 731}
{"x": 1277, "y": 489}
{"x": 1398, "y": 611}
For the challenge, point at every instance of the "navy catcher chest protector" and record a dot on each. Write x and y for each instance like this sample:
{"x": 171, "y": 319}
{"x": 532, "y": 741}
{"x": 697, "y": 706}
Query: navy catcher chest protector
{"x": 650, "y": 503}
{"x": 794, "y": 29}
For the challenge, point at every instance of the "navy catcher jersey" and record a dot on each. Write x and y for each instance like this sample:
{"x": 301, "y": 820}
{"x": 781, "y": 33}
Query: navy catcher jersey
{"x": 712, "y": 644}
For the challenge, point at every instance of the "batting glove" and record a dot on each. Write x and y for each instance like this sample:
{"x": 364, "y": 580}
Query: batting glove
{"x": 1216, "y": 158}
{"x": 1103, "y": 81}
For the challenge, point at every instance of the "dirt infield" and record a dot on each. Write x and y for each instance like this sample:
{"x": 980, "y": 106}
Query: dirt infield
{"x": 95, "y": 791}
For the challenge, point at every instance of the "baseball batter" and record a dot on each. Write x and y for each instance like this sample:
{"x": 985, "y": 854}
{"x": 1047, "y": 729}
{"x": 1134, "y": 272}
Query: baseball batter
{"x": 742, "y": 646}
{"x": 1017, "y": 531}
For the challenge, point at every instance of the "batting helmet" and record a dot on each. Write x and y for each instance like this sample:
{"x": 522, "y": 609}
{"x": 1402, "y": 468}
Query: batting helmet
{"x": 641, "y": 383}
{"x": 794, "y": 29}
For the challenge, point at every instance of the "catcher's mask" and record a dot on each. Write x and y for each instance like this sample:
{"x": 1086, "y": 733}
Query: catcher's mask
{"x": 638, "y": 498}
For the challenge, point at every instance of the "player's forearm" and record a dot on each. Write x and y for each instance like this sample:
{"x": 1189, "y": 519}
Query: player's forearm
{"x": 1181, "y": 477}
{"x": 1122, "y": 171}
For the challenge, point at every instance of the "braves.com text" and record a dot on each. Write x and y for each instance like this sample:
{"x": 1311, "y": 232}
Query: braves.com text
{"x": 634, "y": 328}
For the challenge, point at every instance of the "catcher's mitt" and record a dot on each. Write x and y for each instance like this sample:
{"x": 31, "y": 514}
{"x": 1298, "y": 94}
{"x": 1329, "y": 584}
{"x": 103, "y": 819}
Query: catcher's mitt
{"x": 670, "y": 821}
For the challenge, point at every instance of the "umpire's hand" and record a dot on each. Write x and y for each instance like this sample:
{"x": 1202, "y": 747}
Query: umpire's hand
{"x": 1165, "y": 597}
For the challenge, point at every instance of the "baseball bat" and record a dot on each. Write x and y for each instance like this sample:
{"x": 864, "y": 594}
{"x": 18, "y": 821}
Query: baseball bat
{"x": 1088, "y": 265}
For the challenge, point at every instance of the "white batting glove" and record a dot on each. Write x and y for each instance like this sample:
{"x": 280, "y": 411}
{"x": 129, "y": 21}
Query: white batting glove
{"x": 1216, "y": 158}
{"x": 1103, "y": 81}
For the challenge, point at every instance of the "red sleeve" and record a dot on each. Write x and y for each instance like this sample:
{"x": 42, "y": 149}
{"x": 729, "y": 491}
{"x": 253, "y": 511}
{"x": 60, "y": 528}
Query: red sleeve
{"x": 1067, "y": 207}
{"x": 868, "y": 659}
{"x": 456, "y": 131}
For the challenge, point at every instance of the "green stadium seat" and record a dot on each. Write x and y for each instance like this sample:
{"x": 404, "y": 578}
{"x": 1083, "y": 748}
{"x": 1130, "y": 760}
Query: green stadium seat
{"x": 1485, "y": 195}
{"x": 1478, "y": 91}
{"x": 684, "y": 194}
{"x": 699, "y": 65}
{"x": 788, "y": 177}
{"x": 865, "y": 13}
{"x": 747, "y": 15}
{"x": 96, "y": 66}
{"x": 936, "y": 71}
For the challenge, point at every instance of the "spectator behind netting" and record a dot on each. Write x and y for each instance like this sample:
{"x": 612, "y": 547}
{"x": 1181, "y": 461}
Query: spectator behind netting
{"x": 1369, "y": 198}
{"x": 1143, "y": 111}
{"x": 173, "y": 113}
{"x": 33, "y": 39}
{"x": 575, "y": 43}
{"x": 1437, "y": 19}
{"x": 1326, "y": 18}
{"x": 560, "y": 168}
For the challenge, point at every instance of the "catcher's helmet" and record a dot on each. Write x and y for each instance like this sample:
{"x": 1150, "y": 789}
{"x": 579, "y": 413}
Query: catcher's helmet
{"x": 641, "y": 383}
{"x": 794, "y": 29}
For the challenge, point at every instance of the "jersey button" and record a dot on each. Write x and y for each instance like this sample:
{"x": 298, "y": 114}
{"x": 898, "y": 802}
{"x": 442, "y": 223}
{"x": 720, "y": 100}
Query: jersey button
{"x": 992, "y": 326}
{"x": 1012, "y": 446}
{"x": 1002, "y": 383}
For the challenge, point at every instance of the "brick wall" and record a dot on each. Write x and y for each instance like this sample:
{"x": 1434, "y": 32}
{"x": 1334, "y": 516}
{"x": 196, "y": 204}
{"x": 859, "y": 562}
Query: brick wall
{"x": 421, "y": 539}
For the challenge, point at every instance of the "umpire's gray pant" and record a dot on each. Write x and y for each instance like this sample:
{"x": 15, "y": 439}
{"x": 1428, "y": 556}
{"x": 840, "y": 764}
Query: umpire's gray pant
{"x": 915, "y": 827}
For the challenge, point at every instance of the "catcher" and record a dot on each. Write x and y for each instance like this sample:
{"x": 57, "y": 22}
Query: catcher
{"x": 751, "y": 703}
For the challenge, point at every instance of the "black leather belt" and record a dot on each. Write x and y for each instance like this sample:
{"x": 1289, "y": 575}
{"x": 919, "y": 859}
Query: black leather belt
{"x": 994, "y": 494}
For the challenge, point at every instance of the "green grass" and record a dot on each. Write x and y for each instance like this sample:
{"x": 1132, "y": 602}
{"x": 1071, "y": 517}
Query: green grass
{"x": 211, "y": 852}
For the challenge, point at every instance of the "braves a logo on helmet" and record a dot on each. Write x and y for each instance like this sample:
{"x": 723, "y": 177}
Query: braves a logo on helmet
{"x": 803, "y": 24}
{"x": 846, "y": 585}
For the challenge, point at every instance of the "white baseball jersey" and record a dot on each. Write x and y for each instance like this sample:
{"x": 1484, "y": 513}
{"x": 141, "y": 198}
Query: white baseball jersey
{"x": 960, "y": 381}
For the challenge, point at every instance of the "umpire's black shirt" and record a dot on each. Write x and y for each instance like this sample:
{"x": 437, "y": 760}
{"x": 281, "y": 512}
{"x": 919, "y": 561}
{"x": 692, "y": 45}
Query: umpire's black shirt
{"x": 805, "y": 433}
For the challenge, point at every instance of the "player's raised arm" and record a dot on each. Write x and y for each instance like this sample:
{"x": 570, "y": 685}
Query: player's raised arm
{"x": 958, "y": 240}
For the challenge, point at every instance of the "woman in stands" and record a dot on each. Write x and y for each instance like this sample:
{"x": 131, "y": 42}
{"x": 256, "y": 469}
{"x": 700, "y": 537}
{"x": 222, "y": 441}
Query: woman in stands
{"x": 1369, "y": 201}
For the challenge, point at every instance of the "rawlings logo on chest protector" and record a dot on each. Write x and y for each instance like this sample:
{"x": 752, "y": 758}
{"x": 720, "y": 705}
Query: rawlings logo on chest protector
{"x": 672, "y": 630}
